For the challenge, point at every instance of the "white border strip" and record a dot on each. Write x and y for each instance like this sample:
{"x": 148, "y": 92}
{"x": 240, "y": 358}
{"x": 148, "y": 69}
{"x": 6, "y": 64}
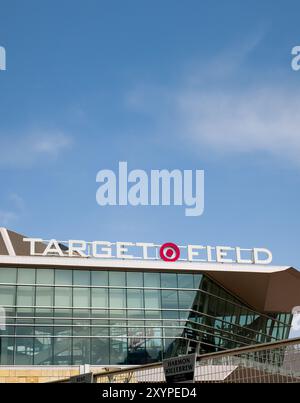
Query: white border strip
{"x": 138, "y": 264}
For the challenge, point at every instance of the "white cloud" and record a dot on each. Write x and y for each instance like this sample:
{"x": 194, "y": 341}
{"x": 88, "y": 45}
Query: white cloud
{"x": 215, "y": 107}
{"x": 27, "y": 149}
{"x": 265, "y": 119}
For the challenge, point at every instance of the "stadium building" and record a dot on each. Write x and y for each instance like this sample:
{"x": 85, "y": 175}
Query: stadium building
{"x": 61, "y": 308}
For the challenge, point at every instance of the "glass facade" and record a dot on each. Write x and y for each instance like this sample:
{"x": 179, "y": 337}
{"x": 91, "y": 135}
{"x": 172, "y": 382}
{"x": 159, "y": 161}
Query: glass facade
{"x": 101, "y": 317}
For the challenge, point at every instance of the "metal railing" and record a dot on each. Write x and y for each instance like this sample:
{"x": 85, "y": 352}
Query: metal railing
{"x": 276, "y": 362}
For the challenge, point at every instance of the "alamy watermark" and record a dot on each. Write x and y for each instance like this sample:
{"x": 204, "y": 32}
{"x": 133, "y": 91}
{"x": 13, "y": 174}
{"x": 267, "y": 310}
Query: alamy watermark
{"x": 158, "y": 188}
{"x": 296, "y": 59}
{"x": 2, "y": 58}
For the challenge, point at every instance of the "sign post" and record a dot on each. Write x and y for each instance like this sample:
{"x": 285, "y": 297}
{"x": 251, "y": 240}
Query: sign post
{"x": 180, "y": 369}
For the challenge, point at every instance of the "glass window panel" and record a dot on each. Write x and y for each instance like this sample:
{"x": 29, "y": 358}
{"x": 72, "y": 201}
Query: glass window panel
{"x": 99, "y": 313}
{"x": 185, "y": 281}
{"x": 117, "y": 298}
{"x": 115, "y": 313}
{"x": 81, "y": 327}
{"x": 99, "y": 278}
{"x": 25, "y": 296}
{"x": 81, "y": 313}
{"x": 62, "y": 351}
{"x": 152, "y": 299}
{"x": 117, "y": 278}
{"x": 47, "y": 312}
{"x": 24, "y": 312}
{"x": 43, "y": 351}
{"x": 81, "y": 297}
{"x": 197, "y": 280}
{"x": 8, "y": 275}
{"x": 99, "y": 328}
{"x": 169, "y": 299}
{"x": 7, "y": 348}
{"x": 63, "y": 297}
{"x": 152, "y": 314}
{"x": 81, "y": 277}
{"x": 134, "y": 279}
{"x": 186, "y": 299}
{"x": 26, "y": 276}
{"x": 152, "y": 280}
{"x": 135, "y": 299}
{"x": 81, "y": 351}
{"x": 24, "y": 330}
{"x": 44, "y": 296}
{"x": 99, "y": 297}
{"x": 168, "y": 280}
{"x": 7, "y": 295}
{"x": 24, "y": 351}
{"x": 154, "y": 350}
{"x": 118, "y": 351}
{"x": 135, "y": 313}
{"x": 43, "y": 331}
{"x": 62, "y": 331}
{"x": 45, "y": 276}
{"x": 170, "y": 315}
{"x": 100, "y": 351}
{"x": 63, "y": 277}
{"x": 62, "y": 313}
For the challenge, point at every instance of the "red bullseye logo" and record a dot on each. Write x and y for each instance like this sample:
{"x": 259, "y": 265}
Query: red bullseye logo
{"x": 169, "y": 252}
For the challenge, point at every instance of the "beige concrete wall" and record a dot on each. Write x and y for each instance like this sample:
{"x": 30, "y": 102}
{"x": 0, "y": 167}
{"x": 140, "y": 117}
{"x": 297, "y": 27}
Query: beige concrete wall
{"x": 38, "y": 374}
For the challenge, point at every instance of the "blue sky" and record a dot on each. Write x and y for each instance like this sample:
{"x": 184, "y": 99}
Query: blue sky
{"x": 161, "y": 84}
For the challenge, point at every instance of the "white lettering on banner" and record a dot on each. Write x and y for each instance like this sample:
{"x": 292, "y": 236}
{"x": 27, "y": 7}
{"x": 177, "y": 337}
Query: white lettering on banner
{"x": 168, "y": 252}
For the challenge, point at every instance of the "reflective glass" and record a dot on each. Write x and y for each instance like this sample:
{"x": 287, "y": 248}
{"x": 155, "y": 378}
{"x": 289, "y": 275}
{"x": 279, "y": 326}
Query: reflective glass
{"x": 169, "y": 299}
{"x": 8, "y": 275}
{"x": 81, "y": 277}
{"x": 24, "y": 351}
{"x": 186, "y": 299}
{"x": 152, "y": 280}
{"x": 152, "y": 299}
{"x": 117, "y": 298}
{"x": 63, "y": 297}
{"x": 81, "y": 351}
{"x": 117, "y": 278}
{"x": 45, "y": 276}
{"x": 62, "y": 351}
{"x": 43, "y": 351}
{"x": 185, "y": 281}
{"x": 26, "y": 276}
{"x": 63, "y": 277}
{"x": 99, "y": 278}
{"x": 135, "y": 299}
{"x": 100, "y": 351}
{"x": 81, "y": 297}
{"x": 99, "y": 297}
{"x": 7, "y": 295}
{"x": 168, "y": 280}
{"x": 44, "y": 296}
{"x": 25, "y": 296}
{"x": 134, "y": 279}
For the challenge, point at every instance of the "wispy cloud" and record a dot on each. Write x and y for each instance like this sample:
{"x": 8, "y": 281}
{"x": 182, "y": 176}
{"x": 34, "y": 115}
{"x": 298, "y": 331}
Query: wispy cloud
{"x": 27, "y": 149}
{"x": 216, "y": 109}
{"x": 264, "y": 119}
